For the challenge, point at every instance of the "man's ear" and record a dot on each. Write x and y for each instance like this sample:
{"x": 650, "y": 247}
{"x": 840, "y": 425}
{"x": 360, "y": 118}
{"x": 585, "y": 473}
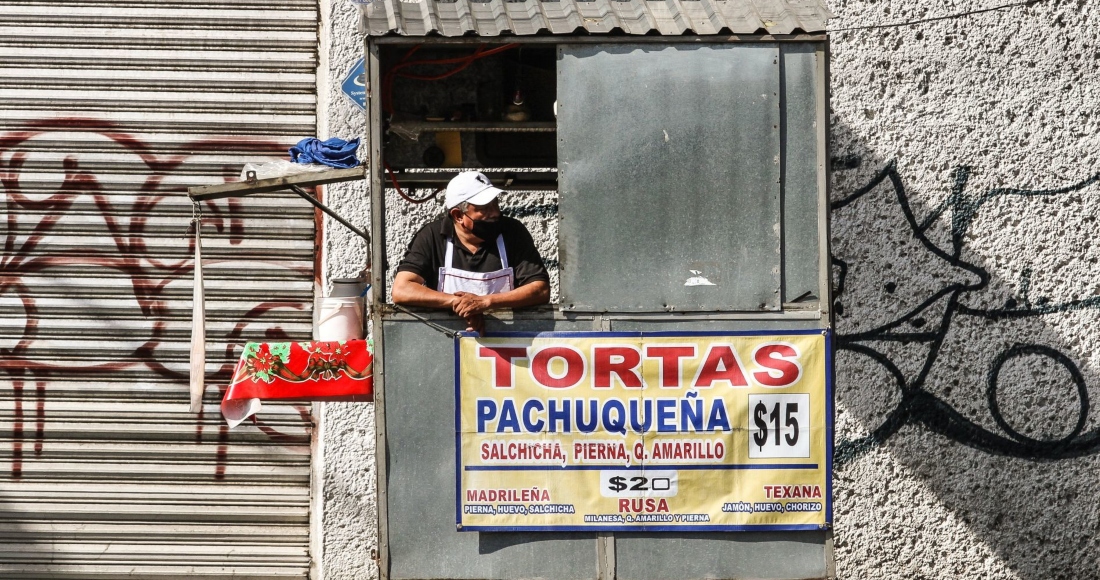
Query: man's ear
{"x": 455, "y": 213}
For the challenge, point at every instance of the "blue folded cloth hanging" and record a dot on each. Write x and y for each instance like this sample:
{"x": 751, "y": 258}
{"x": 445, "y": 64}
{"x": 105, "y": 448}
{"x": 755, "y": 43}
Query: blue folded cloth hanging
{"x": 333, "y": 152}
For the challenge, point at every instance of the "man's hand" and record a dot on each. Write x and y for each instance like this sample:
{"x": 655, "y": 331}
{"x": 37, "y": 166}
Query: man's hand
{"x": 409, "y": 290}
{"x": 476, "y": 323}
{"x": 469, "y": 305}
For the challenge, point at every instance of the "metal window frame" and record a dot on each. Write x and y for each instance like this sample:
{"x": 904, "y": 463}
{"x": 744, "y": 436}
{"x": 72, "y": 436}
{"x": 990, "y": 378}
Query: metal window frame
{"x": 605, "y": 564}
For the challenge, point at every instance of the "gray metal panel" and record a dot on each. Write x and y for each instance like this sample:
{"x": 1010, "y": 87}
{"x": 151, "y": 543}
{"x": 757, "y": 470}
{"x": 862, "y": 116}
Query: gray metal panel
{"x": 756, "y": 555}
{"x": 785, "y": 555}
{"x": 420, "y": 486}
{"x": 668, "y": 171}
{"x": 668, "y": 17}
{"x": 109, "y": 111}
{"x": 714, "y": 325}
{"x": 801, "y": 194}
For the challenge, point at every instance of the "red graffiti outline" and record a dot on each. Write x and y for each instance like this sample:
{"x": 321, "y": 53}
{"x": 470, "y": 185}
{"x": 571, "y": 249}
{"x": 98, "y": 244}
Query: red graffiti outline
{"x": 148, "y": 276}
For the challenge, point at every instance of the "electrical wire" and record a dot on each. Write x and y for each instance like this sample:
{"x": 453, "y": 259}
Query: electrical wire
{"x": 409, "y": 198}
{"x": 462, "y": 61}
{"x": 939, "y": 18}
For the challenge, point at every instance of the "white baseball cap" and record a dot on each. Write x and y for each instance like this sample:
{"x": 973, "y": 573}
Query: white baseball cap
{"x": 472, "y": 187}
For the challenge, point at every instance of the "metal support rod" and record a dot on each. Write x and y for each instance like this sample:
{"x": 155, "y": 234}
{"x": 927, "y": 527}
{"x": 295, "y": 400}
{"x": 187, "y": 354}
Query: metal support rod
{"x": 317, "y": 203}
{"x": 377, "y": 192}
{"x": 439, "y": 327}
{"x": 252, "y": 186}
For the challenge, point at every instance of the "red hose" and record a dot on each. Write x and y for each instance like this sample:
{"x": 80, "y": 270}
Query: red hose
{"x": 409, "y": 198}
{"x": 462, "y": 61}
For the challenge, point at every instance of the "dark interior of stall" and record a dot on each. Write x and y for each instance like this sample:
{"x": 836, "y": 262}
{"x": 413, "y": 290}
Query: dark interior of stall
{"x": 481, "y": 106}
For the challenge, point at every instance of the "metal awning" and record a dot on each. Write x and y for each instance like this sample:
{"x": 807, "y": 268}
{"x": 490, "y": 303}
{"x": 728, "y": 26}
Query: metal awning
{"x": 666, "y": 17}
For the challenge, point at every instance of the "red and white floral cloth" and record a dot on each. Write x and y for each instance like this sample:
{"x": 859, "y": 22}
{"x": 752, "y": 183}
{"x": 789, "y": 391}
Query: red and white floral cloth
{"x": 311, "y": 371}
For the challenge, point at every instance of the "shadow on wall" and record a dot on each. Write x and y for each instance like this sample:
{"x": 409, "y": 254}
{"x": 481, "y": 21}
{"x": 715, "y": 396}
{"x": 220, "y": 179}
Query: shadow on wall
{"x": 977, "y": 385}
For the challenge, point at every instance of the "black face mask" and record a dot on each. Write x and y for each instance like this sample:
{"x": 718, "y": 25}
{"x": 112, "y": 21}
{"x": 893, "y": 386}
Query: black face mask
{"x": 485, "y": 229}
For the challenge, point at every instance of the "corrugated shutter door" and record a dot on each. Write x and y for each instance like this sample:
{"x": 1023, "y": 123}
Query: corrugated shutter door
{"x": 108, "y": 111}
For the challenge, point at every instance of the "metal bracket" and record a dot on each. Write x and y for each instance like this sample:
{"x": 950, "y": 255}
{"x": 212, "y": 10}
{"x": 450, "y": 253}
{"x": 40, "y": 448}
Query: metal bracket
{"x": 294, "y": 183}
{"x": 253, "y": 186}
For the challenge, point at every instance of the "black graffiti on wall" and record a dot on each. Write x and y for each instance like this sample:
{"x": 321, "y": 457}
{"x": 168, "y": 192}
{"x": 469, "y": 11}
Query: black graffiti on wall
{"x": 926, "y": 322}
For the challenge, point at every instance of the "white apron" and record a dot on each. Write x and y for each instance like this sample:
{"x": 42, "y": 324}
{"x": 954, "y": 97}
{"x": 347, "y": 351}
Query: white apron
{"x": 453, "y": 280}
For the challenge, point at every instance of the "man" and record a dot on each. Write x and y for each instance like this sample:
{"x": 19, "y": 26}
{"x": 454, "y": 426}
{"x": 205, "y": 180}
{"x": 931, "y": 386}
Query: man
{"x": 472, "y": 259}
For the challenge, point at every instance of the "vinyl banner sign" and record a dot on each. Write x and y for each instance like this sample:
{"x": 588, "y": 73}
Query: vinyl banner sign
{"x": 643, "y": 432}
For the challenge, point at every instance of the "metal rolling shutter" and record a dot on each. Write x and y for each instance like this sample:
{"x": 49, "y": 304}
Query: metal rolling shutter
{"x": 108, "y": 111}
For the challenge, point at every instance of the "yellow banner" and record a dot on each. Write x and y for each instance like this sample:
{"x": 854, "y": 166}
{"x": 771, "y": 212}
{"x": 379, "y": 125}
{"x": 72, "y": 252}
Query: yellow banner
{"x": 654, "y": 432}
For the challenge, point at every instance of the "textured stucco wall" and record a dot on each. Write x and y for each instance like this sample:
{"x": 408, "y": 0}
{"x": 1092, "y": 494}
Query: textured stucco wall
{"x": 349, "y": 499}
{"x": 929, "y": 483}
{"x": 960, "y": 256}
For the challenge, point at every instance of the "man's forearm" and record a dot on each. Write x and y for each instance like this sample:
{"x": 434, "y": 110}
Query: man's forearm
{"x": 413, "y": 294}
{"x": 527, "y": 295}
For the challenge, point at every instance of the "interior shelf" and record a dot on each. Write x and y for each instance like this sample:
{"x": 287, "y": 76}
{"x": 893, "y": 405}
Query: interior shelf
{"x": 417, "y": 127}
{"x": 520, "y": 180}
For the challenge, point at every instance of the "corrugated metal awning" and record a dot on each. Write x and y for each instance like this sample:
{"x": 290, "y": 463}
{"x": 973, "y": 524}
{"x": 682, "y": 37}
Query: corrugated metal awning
{"x": 667, "y": 17}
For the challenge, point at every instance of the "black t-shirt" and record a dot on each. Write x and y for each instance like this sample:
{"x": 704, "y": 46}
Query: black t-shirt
{"x": 428, "y": 253}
